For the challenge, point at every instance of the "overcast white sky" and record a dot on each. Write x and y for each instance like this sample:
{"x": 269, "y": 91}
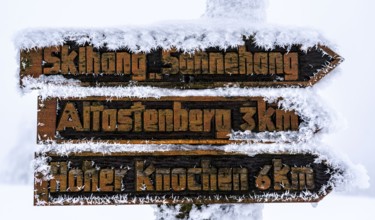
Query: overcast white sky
{"x": 349, "y": 92}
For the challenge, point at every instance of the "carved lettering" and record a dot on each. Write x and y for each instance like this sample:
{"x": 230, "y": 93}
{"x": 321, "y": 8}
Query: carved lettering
{"x": 150, "y": 120}
{"x": 261, "y": 63}
{"x": 96, "y": 111}
{"x": 263, "y": 181}
{"x": 196, "y": 120}
{"x": 179, "y": 179}
{"x": 108, "y": 63}
{"x": 69, "y": 118}
{"x": 71, "y": 59}
{"x": 92, "y": 60}
{"x": 139, "y": 67}
{"x": 302, "y": 178}
{"x": 91, "y": 177}
{"x": 276, "y": 63}
{"x": 97, "y": 118}
{"x": 119, "y": 176}
{"x": 50, "y": 57}
{"x": 123, "y": 63}
{"x": 206, "y": 178}
{"x": 172, "y": 176}
{"x": 59, "y": 171}
{"x": 135, "y": 119}
{"x": 193, "y": 184}
{"x": 109, "y": 120}
{"x": 86, "y": 116}
{"x": 82, "y": 60}
{"x": 180, "y": 117}
{"x": 209, "y": 178}
{"x": 186, "y": 63}
{"x": 231, "y": 63}
{"x": 249, "y": 113}
{"x": 106, "y": 180}
{"x": 245, "y": 61}
{"x": 200, "y": 62}
{"x": 137, "y": 108}
{"x": 265, "y": 117}
{"x": 280, "y": 172}
{"x": 286, "y": 120}
{"x": 67, "y": 64}
{"x": 225, "y": 179}
{"x": 240, "y": 176}
{"x": 143, "y": 176}
{"x": 163, "y": 179}
{"x": 223, "y": 123}
{"x": 171, "y": 64}
{"x": 216, "y": 63}
{"x": 285, "y": 178}
{"x": 75, "y": 177}
{"x": 166, "y": 120}
{"x": 291, "y": 66}
{"x": 208, "y": 115}
{"x": 85, "y": 179}
{"x": 125, "y": 122}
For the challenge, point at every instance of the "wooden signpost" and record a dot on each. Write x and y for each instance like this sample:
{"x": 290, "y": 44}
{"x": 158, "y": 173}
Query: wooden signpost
{"x": 245, "y": 65}
{"x": 181, "y": 177}
{"x": 175, "y": 176}
{"x": 167, "y": 120}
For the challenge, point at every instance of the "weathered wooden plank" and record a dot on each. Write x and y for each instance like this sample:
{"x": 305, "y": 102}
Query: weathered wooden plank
{"x": 46, "y": 119}
{"x": 245, "y": 65}
{"x": 31, "y": 63}
{"x": 167, "y": 120}
{"x": 181, "y": 177}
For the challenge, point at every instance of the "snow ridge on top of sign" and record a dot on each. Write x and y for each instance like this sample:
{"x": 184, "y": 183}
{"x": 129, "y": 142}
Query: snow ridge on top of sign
{"x": 224, "y": 24}
{"x": 186, "y": 36}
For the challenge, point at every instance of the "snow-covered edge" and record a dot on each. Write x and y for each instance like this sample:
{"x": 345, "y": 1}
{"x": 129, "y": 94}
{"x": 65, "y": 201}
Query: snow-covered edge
{"x": 315, "y": 118}
{"x": 352, "y": 176}
{"x": 121, "y": 199}
{"x": 183, "y": 35}
{"x": 345, "y": 176}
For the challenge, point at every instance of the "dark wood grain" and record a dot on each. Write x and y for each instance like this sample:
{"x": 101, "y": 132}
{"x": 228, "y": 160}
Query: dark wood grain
{"x": 245, "y": 65}
{"x": 168, "y": 120}
{"x": 200, "y": 176}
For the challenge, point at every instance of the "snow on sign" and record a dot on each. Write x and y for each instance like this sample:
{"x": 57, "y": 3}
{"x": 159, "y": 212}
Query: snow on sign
{"x": 246, "y": 65}
{"x": 180, "y": 177}
{"x": 166, "y": 120}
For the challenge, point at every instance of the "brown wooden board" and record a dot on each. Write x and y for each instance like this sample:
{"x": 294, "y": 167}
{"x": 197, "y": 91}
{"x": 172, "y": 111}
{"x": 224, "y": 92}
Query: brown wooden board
{"x": 180, "y": 177}
{"x": 245, "y": 65}
{"x": 167, "y": 120}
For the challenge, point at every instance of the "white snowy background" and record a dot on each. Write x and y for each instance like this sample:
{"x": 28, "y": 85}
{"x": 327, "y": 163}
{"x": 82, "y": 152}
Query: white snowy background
{"x": 349, "y": 92}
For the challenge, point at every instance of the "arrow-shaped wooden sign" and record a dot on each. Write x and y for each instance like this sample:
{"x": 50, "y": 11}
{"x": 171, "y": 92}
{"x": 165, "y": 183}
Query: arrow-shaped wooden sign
{"x": 180, "y": 177}
{"x": 245, "y": 65}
